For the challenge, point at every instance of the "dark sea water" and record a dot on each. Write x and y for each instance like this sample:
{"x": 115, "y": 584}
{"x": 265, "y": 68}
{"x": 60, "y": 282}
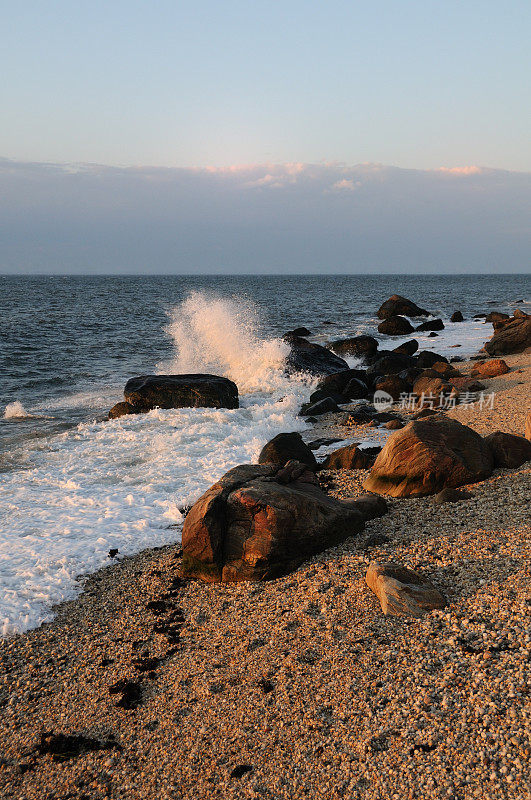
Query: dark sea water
{"x": 72, "y": 484}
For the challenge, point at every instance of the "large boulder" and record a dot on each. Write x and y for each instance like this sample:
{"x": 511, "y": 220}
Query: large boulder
{"x": 348, "y": 457}
{"x": 338, "y": 381}
{"x": 509, "y": 450}
{"x": 429, "y": 455}
{"x": 180, "y": 391}
{"x": 311, "y": 358}
{"x": 431, "y": 325}
{"x": 400, "y": 305}
{"x": 490, "y": 369}
{"x": 395, "y": 326}
{"x": 360, "y": 346}
{"x": 513, "y": 337}
{"x": 259, "y": 522}
{"x": 287, "y": 447}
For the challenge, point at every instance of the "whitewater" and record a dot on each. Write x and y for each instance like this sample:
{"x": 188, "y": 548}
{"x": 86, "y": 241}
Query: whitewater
{"x": 121, "y": 484}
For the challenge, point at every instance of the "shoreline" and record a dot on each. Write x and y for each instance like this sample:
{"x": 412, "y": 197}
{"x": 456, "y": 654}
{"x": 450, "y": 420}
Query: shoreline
{"x": 298, "y": 687}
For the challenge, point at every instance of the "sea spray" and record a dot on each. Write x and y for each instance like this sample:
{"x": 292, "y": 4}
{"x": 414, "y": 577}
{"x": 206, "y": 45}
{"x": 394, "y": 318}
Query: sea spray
{"x": 16, "y": 410}
{"x": 120, "y": 484}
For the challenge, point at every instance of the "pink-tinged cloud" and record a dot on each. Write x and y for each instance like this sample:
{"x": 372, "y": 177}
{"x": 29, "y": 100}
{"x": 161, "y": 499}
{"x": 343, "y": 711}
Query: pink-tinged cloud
{"x": 472, "y": 170}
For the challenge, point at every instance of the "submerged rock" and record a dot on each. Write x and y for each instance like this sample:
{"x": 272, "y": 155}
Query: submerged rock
{"x": 401, "y": 590}
{"x": 258, "y": 522}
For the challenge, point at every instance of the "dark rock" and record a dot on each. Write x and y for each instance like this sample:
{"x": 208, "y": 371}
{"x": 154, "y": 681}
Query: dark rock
{"x": 407, "y": 348}
{"x": 451, "y": 496}
{"x": 426, "y": 359}
{"x": 395, "y": 326}
{"x": 299, "y": 332}
{"x": 321, "y": 407}
{"x": 391, "y": 364}
{"x": 317, "y": 443}
{"x": 338, "y": 381}
{"x": 394, "y": 425}
{"x": 457, "y": 317}
{"x": 349, "y": 457}
{"x": 62, "y": 746}
{"x": 431, "y": 325}
{"x": 496, "y": 316}
{"x": 322, "y": 394}
{"x": 394, "y": 385}
{"x": 371, "y": 506}
{"x": 429, "y": 455}
{"x": 180, "y": 391}
{"x": 397, "y": 305}
{"x": 432, "y": 335}
{"x": 257, "y": 523}
{"x": 356, "y": 389}
{"x": 287, "y": 447}
{"x": 361, "y": 346}
{"x": 240, "y": 771}
{"x": 131, "y": 693}
{"x": 310, "y": 358}
{"x": 362, "y": 414}
{"x": 509, "y": 451}
{"x": 121, "y": 409}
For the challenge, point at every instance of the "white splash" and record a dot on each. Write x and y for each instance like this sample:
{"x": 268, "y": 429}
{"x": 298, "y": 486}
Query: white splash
{"x": 16, "y": 411}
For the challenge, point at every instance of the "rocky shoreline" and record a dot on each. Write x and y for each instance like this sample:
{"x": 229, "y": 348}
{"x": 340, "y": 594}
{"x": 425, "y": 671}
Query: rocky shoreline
{"x": 155, "y": 687}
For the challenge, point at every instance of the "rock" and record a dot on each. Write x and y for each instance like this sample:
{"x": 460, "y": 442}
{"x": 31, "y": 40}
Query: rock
{"x": 426, "y": 359}
{"x": 490, "y": 369}
{"x": 371, "y": 506}
{"x": 431, "y": 325}
{"x": 356, "y": 389}
{"x": 121, "y": 409}
{"x": 401, "y": 306}
{"x": 457, "y": 317}
{"x": 445, "y": 370}
{"x": 496, "y": 316}
{"x": 361, "y": 346}
{"x": 519, "y": 314}
{"x": 394, "y": 425}
{"x": 361, "y": 415}
{"x": 391, "y": 364}
{"x": 407, "y": 348}
{"x": 180, "y": 391}
{"x": 349, "y": 457}
{"x": 432, "y": 334}
{"x": 394, "y": 385}
{"x": 287, "y": 447}
{"x": 395, "y": 326}
{"x": 429, "y": 455}
{"x": 321, "y": 407}
{"x": 311, "y": 358}
{"x": 322, "y": 394}
{"x": 451, "y": 496}
{"x": 432, "y": 390}
{"x": 513, "y": 337}
{"x": 257, "y": 523}
{"x": 338, "y": 381}
{"x": 299, "y": 332}
{"x": 322, "y": 442}
{"x": 509, "y": 451}
{"x": 402, "y": 591}
{"x": 425, "y": 412}
{"x": 528, "y": 426}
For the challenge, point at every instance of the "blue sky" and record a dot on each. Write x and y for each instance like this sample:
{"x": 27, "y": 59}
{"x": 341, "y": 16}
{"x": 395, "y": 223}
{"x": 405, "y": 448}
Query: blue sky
{"x": 412, "y": 84}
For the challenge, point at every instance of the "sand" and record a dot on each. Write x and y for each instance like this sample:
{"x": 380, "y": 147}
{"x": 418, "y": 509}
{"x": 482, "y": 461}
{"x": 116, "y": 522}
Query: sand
{"x": 300, "y": 687}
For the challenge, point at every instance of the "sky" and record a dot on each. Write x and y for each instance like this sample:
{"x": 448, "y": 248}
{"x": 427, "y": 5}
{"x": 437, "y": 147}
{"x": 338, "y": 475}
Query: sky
{"x": 202, "y": 88}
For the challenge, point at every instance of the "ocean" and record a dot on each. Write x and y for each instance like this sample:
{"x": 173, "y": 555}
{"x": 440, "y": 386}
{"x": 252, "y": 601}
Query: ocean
{"x": 74, "y": 485}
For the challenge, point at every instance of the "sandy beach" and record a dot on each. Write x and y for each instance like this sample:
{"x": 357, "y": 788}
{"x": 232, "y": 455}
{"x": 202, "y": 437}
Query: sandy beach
{"x": 299, "y": 687}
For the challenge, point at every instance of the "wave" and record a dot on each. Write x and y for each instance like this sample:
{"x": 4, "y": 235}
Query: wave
{"x": 16, "y": 411}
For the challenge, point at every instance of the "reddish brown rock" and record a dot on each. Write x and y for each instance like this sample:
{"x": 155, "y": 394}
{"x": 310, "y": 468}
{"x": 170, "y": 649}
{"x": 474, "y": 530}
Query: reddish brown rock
{"x": 259, "y": 522}
{"x": 349, "y": 457}
{"x": 121, "y": 409}
{"x": 429, "y": 455}
{"x": 508, "y": 450}
{"x": 287, "y": 447}
{"x": 401, "y": 590}
{"x": 528, "y": 426}
{"x": 490, "y": 369}
{"x": 514, "y": 336}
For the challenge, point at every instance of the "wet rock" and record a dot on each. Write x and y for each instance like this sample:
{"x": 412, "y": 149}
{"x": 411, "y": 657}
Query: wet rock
{"x": 395, "y": 326}
{"x": 180, "y": 391}
{"x": 360, "y": 346}
{"x": 324, "y": 406}
{"x": 299, "y": 332}
{"x": 391, "y": 364}
{"x": 426, "y": 358}
{"x": 496, "y": 316}
{"x": 394, "y": 385}
{"x": 287, "y": 447}
{"x": 258, "y": 522}
{"x": 356, "y": 389}
{"x": 431, "y": 325}
{"x": 121, "y": 410}
{"x": 397, "y": 304}
{"x": 338, "y": 382}
{"x": 402, "y": 591}
{"x": 310, "y": 358}
{"x": 457, "y": 317}
{"x": 323, "y": 442}
{"x": 408, "y": 348}
{"x": 509, "y": 451}
{"x": 429, "y": 455}
{"x": 490, "y": 369}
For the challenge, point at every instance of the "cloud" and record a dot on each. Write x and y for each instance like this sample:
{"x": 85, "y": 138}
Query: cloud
{"x": 262, "y": 217}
